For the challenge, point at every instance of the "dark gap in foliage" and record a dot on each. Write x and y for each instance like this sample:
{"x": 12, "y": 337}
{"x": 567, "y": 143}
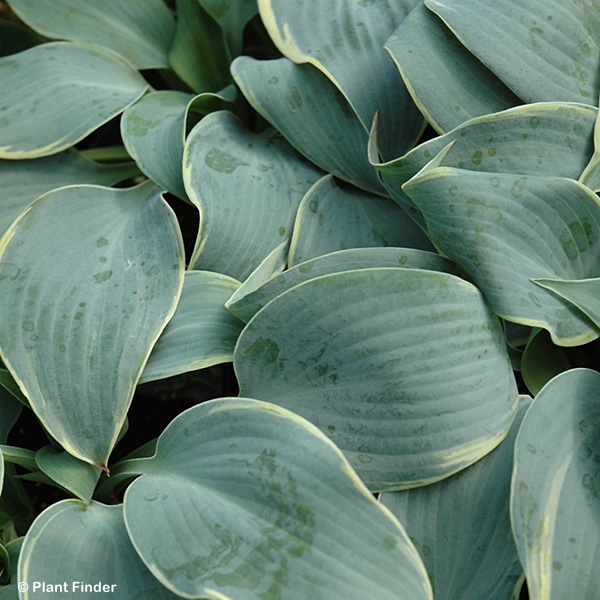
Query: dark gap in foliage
{"x": 157, "y": 403}
{"x": 188, "y": 218}
{"x": 256, "y": 41}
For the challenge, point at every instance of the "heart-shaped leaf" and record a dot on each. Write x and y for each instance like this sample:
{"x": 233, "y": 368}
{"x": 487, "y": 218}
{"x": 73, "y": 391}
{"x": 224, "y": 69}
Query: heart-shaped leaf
{"x": 405, "y": 370}
{"x": 85, "y": 292}
{"x": 548, "y": 138}
{"x": 246, "y": 500}
{"x": 23, "y": 181}
{"x": 73, "y": 89}
{"x": 72, "y": 545}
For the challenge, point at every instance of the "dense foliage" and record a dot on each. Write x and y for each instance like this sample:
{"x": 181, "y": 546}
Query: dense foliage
{"x": 384, "y": 215}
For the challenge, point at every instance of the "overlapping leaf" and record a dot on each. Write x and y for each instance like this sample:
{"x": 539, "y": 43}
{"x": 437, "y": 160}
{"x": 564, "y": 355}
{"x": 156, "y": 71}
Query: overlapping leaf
{"x": 549, "y": 138}
{"x": 153, "y": 132}
{"x": 448, "y": 83}
{"x": 555, "y": 504}
{"x": 541, "y": 49}
{"x": 245, "y": 500}
{"x": 505, "y": 229}
{"x": 311, "y": 113}
{"x": 232, "y": 16}
{"x": 405, "y": 370}
{"x": 461, "y": 526}
{"x": 86, "y": 288}
{"x": 333, "y": 217}
{"x": 139, "y": 30}
{"x": 247, "y": 187}
{"x": 74, "y": 544}
{"x": 345, "y": 41}
{"x": 55, "y": 94}
{"x": 245, "y": 302}
{"x": 201, "y": 333}
{"x": 25, "y": 180}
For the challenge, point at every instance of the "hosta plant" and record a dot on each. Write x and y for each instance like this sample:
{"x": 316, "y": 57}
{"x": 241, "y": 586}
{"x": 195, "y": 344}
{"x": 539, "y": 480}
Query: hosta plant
{"x": 300, "y": 299}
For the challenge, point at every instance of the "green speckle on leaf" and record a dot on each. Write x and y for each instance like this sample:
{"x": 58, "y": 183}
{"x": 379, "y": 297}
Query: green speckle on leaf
{"x": 102, "y": 276}
{"x": 477, "y": 157}
{"x": 223, "y": 162}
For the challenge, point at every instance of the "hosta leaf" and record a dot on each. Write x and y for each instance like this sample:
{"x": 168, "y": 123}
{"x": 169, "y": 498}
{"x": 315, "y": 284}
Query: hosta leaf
{"x": 541, "y": 49}
{"x": 245, "y": 500}
{"x": 78, "y": 477}
{"x": 461, "y": 526}
{"x": 199, "y": 53}
{"x": 583, "y": 293}
{"x": 345, "y": 41}
{"x": 54, "y": 94}
{"x": 23, "y": 181}
{"x": 405, "y": 370}
{"x": 72, "y": 545}
{"x": 554, "y": 497}
{"x": 245, "y": 304}
{"x": 335, "y": 217}
{"x": 201, "y": 333}
{"x": 232, "y": 16}
{"x": 139, "y": 30}
{"x": 247, "y": 187}
{"x": 446, "y": 81}
{"x": 153, "y": 131}
{"x": 86, "y": 288}
{"x": 311, "y": 113}
{"x": 549, "y": 138}
{"x": 504, "y": 229}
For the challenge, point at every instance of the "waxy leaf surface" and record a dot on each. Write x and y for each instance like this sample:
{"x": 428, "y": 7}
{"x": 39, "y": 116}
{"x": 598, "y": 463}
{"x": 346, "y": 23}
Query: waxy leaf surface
{"x": 505, "y": 229}
{"x": 71, "y": 544}
{"x": 201, "y": 333}
{"x": 55, "y": 94}
{"x": 246, "y": 500}
{"x": 139, "y": 30}
{"x": 345, "y": 41}
{"x": 86, "y": 288}
{"x": 405, "y": 370}
{"x": 247, "y": 187}
{"x": 555, "y": 504}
